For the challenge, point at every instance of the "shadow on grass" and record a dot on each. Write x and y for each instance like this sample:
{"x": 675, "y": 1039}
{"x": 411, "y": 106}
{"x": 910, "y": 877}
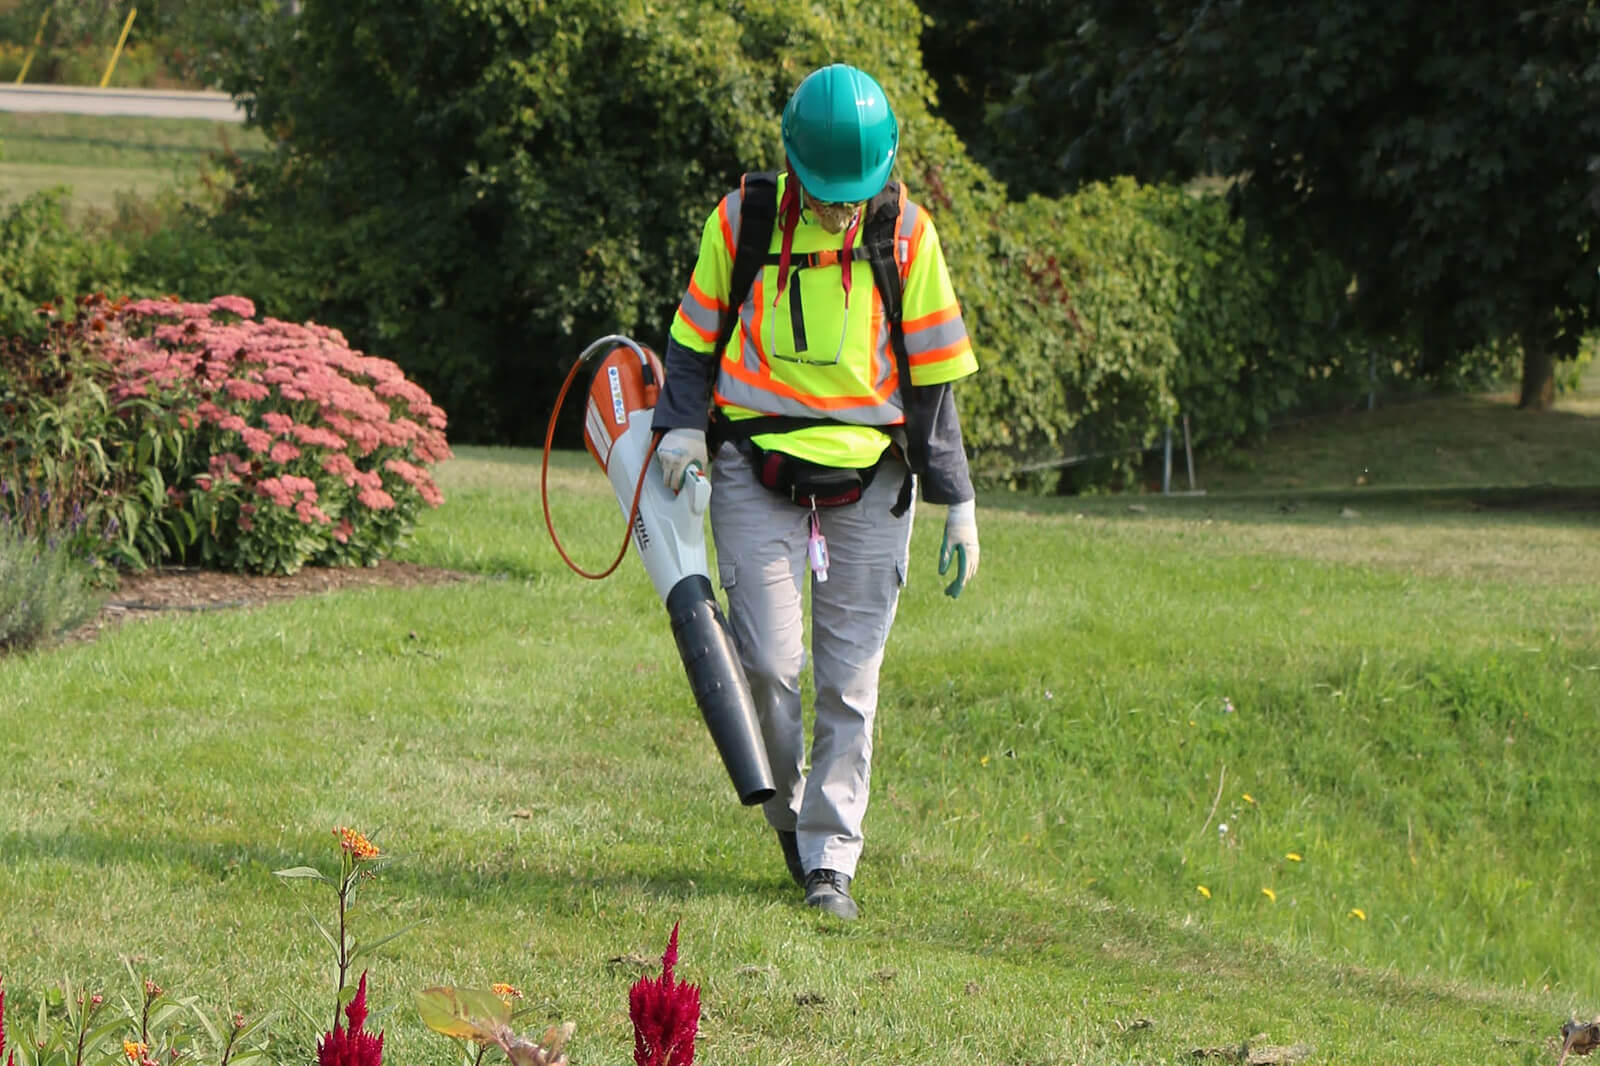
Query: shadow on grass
{"x": 1543, "y": 504}
{"x": 225, "y": 860}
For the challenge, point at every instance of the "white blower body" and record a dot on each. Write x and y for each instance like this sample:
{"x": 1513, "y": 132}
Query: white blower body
{"x": 668, "y": 532}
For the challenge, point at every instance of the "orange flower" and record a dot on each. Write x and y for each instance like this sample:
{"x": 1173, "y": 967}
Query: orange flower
{"x": 135, "y": 1051}
{"x": 506, "y": 992}
{"x": 356, "y": 844}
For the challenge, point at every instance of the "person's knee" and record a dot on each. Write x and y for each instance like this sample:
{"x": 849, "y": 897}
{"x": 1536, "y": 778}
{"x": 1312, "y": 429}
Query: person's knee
{"x": 771, "y": 664}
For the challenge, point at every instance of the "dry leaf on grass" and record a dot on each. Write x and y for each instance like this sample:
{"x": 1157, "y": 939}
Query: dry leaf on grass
{"x": 632, "y": 960}
{"x": 1579, "y": 1038}
{"x": 1258, "y": 1055}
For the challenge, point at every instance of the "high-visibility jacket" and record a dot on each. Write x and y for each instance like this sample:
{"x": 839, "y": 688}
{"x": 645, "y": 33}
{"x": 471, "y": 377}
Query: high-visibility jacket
{"x": 809, "y": 344}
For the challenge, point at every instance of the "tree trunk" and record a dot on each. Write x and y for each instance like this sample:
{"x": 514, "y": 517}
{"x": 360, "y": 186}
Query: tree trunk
{"x": 1538, "y": 373}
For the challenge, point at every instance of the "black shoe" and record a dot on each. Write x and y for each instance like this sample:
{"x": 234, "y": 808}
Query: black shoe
{"x": 829, "y": 890}
{"x": 791, "y": 855}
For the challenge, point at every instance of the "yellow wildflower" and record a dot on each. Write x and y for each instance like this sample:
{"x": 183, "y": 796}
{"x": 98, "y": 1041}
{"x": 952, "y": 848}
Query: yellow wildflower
{"x": 1203, "y": 890}
{"x": 1357, "y": 912}
{"x": 135, "y": 1051}
{"x": 1248, "y": 798}
{"x": 1293, "y": 856}
{"x": 356, "y": 844}
{"x": 1273, "y": 896}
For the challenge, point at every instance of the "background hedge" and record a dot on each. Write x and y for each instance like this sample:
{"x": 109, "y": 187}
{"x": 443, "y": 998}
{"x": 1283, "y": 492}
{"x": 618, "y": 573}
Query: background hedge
{"x": 477, "y": 188}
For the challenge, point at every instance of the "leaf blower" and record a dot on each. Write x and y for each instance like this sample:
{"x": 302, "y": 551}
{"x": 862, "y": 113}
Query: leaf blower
{"x": 669, "y": 532}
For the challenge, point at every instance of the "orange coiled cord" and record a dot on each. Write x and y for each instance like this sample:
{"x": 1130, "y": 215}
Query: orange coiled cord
{"x": 544, "y": 491}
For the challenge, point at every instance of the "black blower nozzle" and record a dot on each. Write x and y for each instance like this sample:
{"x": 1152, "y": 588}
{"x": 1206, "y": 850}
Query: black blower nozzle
{"x": 720, "y": 689}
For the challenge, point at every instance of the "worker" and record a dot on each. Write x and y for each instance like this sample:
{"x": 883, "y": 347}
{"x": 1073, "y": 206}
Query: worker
{"x": 819, "y": 442}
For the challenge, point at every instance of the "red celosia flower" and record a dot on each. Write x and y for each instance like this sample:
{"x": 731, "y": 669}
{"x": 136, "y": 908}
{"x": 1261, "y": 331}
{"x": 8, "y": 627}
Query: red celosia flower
{"x": 352, "y": 1046}
{"x": 666, "y": 1015}
{"x": 11, "y": 1059}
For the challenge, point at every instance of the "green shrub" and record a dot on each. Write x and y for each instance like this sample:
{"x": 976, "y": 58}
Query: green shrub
{"x": 46, "y": 260}
{"x": 1074, "y": 327}
{"x": 44, "y": 590}
{"x": 1262, "y": 327}
{"x": 57, "y": 478}
{"x": 1108, "y": 314}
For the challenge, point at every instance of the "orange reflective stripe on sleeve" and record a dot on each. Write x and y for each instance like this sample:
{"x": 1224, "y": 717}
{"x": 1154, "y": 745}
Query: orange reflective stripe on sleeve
{"x": 939, "y": 355}
{"x": 706, "y": 301}
{"x": 931, "y": 319}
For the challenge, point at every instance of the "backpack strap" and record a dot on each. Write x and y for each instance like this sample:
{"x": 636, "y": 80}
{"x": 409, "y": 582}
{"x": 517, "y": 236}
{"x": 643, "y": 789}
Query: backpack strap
{"x": 758, "y": 213}
{"x": 880, "y": 235}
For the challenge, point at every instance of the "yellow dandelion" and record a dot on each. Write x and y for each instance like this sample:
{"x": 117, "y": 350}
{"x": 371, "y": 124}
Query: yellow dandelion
{"x": 1294, "y": 856}
{"x": 506, "y": 992}
{"x": 1273, "y": 896}
{"x": 356, "y": 844}
{"x": 1357, "y": 912}
{"x": 135, "y": 1051}
{"x": 1203, "y": 890}
{"x": 984, "y": 761}
{"x": 1248, "y": 798}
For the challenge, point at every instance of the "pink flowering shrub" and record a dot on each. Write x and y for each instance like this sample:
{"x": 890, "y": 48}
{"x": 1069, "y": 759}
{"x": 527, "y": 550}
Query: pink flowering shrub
{"x": 292, "y": 447}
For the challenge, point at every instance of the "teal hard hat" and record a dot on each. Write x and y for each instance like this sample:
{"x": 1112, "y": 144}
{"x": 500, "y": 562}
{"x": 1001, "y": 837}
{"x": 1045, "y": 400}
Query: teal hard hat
{"x": 840, "y": 135}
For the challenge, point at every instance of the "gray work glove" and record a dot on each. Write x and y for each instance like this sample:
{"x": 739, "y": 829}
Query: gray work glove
{"x": 680, "y": 451}
{"x": 960, "y": 545}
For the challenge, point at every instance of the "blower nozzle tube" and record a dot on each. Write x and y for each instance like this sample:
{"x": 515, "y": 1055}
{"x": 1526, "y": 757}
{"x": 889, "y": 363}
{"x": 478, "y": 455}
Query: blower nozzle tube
{"x": 720, "y": 690}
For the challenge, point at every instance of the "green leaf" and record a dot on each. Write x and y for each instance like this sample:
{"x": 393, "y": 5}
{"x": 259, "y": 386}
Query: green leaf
{"x": 306, "y": 872}
{"x": 368, "y": 949}
{"x": 332, "y": 943}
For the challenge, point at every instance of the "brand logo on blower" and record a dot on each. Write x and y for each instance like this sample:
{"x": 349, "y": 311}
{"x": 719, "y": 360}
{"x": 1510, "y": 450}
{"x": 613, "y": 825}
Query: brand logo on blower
{"x": 618, "y": 410}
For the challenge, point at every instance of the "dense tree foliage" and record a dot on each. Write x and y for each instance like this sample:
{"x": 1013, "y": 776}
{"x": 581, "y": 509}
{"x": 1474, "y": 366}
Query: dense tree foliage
{"x": 477, "y": 188}
{"x": 1446, "y": 154}
{"x": 995, "y": 63}
{"x": 482, "y": 187}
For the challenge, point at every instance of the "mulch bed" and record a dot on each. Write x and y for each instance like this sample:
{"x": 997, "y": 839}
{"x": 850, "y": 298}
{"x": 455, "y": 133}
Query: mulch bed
{"x": 170, "y": 590}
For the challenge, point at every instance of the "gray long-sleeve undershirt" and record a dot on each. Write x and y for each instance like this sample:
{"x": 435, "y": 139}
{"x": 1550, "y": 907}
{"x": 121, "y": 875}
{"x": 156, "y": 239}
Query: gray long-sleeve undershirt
{"x": 938, "y": 454}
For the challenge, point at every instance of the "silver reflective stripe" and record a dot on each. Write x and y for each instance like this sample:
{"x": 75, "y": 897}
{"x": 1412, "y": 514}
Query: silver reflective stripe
{"x": 881, "y": 359}
{"x": 698, "y": 315}
{"x": 749, "y": 354}
{"x": 736, "y": 392}
{"x": 908, "y": 222}
{"x": 942, "y": 335}
{"x": 735, "y": 205}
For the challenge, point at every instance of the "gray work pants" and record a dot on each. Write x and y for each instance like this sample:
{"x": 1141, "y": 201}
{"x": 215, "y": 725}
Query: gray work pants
{"x": 761, "y": 562}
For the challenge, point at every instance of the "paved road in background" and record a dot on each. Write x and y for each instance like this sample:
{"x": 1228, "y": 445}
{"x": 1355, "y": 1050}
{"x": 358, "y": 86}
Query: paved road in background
{"x": 149, "y": 103}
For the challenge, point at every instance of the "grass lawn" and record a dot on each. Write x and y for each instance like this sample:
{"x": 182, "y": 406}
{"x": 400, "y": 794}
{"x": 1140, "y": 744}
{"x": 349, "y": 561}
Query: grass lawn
{"x": 100, "y": 157}
{"x": 1242, "y": 768}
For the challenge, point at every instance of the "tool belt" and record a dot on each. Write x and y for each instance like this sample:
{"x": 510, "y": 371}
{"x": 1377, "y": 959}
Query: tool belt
{"x": 806, "y": 483}
{"x": 802, "y": 482}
